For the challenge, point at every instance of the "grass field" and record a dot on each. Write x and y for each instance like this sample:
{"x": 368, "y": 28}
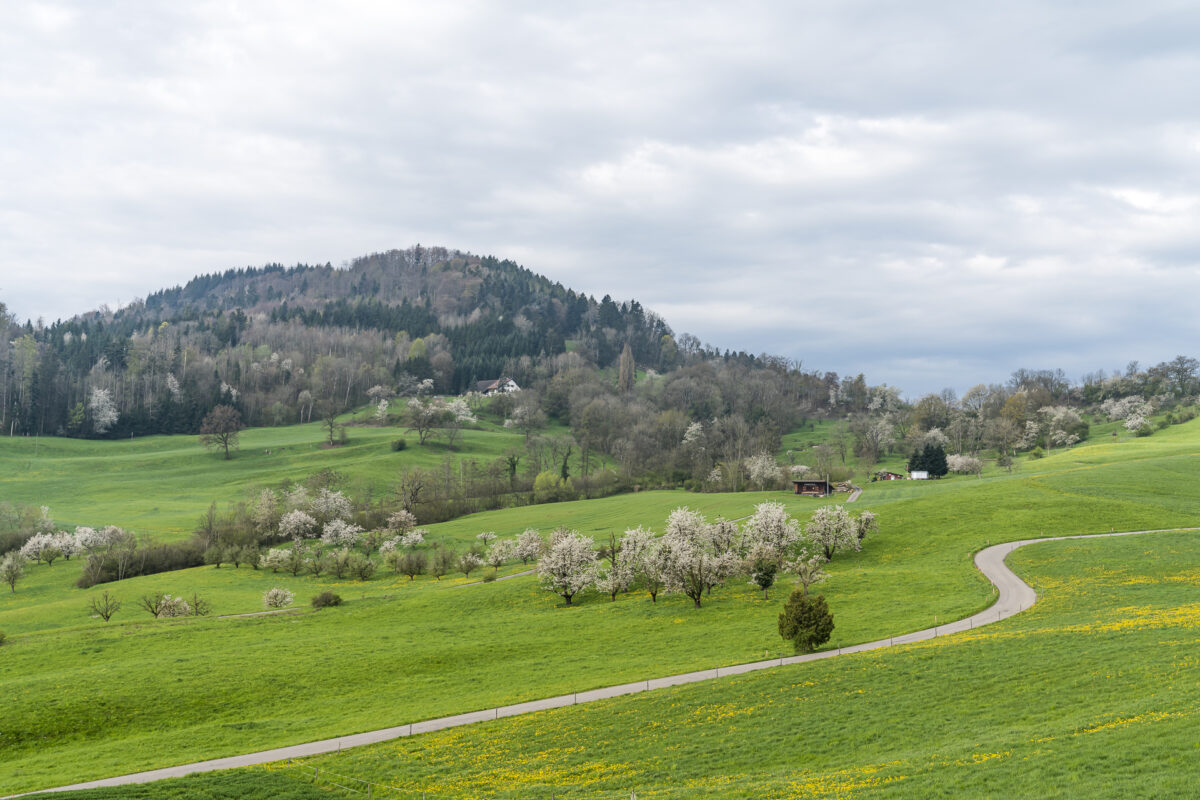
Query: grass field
{"x": 161, "y": 485}
{"x": 92, "y": 700}
{"x": 1091, "y": 693}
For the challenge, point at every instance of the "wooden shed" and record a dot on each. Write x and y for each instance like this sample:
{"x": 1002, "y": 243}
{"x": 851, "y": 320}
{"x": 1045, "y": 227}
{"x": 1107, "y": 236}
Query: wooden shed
{"x": 813, "y": 488}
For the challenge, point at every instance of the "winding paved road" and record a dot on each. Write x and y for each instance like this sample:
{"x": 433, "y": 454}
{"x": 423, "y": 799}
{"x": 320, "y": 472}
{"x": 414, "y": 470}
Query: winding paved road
{"x": 1014, "y": 596}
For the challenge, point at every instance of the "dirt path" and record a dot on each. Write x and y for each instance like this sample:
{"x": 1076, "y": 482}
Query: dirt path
{"x": 1013, "y": 596}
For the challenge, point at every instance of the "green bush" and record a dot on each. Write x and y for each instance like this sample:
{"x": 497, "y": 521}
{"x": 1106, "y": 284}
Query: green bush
{"x": 490, "y": 576}
{"x": 398, "y": 445}
{"x": 361, "y": 567}
{"x": 805, "y": 621}
{"x": 549, "y": 487}
{"x": 1145, "y": 430}
{"x": 325, "y": 599}
{"x": 840, "y": 474}
{"x": 3, "y": 636}
{"x": 1037, "y": 452}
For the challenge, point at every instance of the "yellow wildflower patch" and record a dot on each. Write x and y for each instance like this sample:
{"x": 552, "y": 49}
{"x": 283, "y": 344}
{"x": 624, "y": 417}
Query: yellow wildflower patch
{"x": 843, "y": 783}
{"x": 1120, "y": 722}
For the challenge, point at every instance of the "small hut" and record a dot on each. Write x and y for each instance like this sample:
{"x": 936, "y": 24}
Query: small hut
{"x": 816, "y": 487}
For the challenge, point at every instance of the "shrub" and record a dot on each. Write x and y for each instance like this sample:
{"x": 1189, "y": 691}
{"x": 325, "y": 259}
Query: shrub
{"x": 840, "y": 474}
{"x": 398, "y": 445}
{"x": 1037, "y": 452}
{"x": 162, "y": 606}
{"x": 489, "y": 576}
{"x": 326, "y": 599}
{"x": 805, "y": 621}
{"x": 362, "y": 567}
{"x": 3, "y": 636}
{"x": 1145, "y": 430}
{"x": 278, "y": 598}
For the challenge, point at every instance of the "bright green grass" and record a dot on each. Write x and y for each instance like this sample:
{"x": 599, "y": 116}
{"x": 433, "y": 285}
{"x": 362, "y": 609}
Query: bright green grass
{"x": 242, "y": 785}
{"x": 94, "y": 701}
{"x": 46, "y": 597}
{"x": 162, "y": 484}
{"x": 135, "y": 693}
{"x": 1092, "y": 693}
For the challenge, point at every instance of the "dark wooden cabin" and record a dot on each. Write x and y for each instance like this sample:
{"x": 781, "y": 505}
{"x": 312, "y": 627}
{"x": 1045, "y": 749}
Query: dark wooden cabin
{"x": 813, "y": 488}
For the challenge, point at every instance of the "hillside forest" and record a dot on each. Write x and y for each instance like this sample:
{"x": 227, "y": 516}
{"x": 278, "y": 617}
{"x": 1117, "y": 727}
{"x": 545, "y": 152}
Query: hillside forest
{"x": 284, "y": 345}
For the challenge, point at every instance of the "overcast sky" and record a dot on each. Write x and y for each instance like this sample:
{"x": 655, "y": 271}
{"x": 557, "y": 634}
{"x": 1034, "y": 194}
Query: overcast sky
{"x": 930, "y": 193}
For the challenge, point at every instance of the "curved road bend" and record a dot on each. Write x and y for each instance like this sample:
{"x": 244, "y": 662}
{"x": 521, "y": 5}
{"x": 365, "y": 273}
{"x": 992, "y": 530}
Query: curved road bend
{"x": 1014, "y": 596}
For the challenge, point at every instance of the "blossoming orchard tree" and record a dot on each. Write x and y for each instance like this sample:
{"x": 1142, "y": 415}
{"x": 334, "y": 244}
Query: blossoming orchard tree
{"x": 529, "y": 545}
{"x": 696, "y": 566}
{"x": 569, "y": 566}
{"x": 831, "y": 529}
{"x": 771, "y": 534}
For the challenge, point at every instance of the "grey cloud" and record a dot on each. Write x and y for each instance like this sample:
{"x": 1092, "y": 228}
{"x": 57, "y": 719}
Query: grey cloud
{"x": 932, "y": 194}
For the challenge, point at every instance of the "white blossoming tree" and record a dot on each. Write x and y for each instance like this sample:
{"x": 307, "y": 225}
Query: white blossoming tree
{"x": 501, "y": 553}
{"x": 275, "y": 559}
{"x": 695, "y": 567}
{"x": 772, "y": 532}
{"x": 401, "y": 521}
{"x": 414, "y": 538}
{"x": 297, "y": 525}
{"x": 831, "y": 529}
{"x": 278, "y": 598}
{"x": 569, "y": 566}
{"x": 764, "y": 471}
{"x": 964, "y": 465}
{"x": 329, "y": 505}
{"x": 102, "y": 410}
{"x": 529, "y": 545}
{"x": 340, "y": 533}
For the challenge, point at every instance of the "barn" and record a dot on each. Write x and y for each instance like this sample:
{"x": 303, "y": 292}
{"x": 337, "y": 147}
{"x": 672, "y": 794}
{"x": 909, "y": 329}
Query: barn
{"x": 813, "y": 488}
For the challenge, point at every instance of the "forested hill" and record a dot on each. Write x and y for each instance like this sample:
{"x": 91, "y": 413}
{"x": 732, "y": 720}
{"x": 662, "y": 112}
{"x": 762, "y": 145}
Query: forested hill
{"x": 276, "y": 340}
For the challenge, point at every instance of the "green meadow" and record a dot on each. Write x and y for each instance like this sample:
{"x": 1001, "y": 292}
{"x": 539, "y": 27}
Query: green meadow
{"x": 1091, "y": 693}
{"x": 162, "y": 484}
{"x": 90, "y": 699}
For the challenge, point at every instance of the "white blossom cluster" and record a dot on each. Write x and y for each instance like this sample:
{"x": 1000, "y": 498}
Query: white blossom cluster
{"x": 693, "y": 556}
{"x": 278, "y": 598}
{"x": 51, "y": 544}
{"x": 963, "y": 464}
{"x": 341, "y": 533}
{"x": 173, "y": 607}
{"x": 1133, "y": 409}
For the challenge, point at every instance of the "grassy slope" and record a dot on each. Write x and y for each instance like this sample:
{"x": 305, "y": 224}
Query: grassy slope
{"x": 495, "y": 636}
{"x": 1091, "y": 693}
{"x": 161, "y": 484}
{"x": 98, "y": 699}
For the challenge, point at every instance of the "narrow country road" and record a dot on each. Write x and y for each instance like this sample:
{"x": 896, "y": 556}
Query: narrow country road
{"x": 1013, "y": 596}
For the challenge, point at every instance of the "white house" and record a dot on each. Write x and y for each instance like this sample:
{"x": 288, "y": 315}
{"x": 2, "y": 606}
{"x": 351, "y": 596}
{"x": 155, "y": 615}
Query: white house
{"x": 918, "y": 475}
{"x": 498, "y": 386}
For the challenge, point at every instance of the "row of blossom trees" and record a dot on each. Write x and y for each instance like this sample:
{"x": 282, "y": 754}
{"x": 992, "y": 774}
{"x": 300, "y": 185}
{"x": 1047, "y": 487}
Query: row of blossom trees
{"x": 694, "y": 556}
